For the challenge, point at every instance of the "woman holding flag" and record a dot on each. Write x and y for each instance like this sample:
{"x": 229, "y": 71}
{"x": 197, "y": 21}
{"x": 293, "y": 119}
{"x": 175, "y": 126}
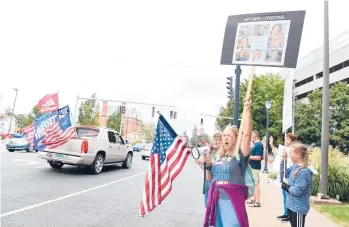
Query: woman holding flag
{"x": 228, "y": 193}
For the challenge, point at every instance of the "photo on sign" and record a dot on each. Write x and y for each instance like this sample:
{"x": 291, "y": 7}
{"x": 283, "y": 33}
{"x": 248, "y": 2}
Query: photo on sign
{"x": 262, "y": 43}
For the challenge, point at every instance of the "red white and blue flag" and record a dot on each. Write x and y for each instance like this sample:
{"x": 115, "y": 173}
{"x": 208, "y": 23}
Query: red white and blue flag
{"x": 167, "y": 159}
{"x": 59, "y": 133}
{"x": 29, "y": 134}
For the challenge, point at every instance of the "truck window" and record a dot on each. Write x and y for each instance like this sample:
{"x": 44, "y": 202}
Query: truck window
{"x": 111, "y": 137}
{"x": 119, "y": 140}
{"x": 87, "y": 132}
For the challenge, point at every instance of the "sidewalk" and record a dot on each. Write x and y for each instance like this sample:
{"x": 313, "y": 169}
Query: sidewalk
{"x": 271, "y": 201}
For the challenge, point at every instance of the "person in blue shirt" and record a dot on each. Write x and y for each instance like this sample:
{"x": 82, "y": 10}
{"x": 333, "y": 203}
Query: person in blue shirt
{"x": 298, "y": 187}
{"x": 256, "y": 165}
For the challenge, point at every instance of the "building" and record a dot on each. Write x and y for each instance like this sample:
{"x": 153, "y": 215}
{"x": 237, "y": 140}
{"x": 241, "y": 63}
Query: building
{"x": 132, "y": 123}
{"x": 309, "y": 73}
{"x": 5, "y": 123}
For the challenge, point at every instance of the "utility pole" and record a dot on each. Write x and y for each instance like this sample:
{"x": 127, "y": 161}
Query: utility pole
{"x": 325, "y": 109}
{"x": 13, "y": 110}
{"x": 237, "y": 95}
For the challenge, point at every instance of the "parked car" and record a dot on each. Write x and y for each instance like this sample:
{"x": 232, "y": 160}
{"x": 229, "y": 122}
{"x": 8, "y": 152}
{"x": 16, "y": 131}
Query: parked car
{"x": 18, "y": 143}
{"x": 145, "y": 151}
{"x": 93, "y": 147}
{"x": 137, "y": 147}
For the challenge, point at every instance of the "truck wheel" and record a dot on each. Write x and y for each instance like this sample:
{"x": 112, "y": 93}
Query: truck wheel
{"x": 30, "y": 148}
{"x": 10, "y": 150}
{"x": 128, "y": 161}
{"x": 56, "y": 165}
{"x": 97, "y": 165}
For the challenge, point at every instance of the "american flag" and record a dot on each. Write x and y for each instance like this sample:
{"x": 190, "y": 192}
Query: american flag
{"x": 59, "y": 133}
{"x": 29, "y": 134}
{"x": 167, "y": 159}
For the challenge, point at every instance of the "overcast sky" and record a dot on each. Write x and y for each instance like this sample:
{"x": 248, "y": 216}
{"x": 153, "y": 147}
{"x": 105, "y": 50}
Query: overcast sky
{"x": 164, "y": 52}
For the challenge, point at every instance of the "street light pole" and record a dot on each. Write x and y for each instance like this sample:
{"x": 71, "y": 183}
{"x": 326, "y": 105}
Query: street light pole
{"x": 267, "y": 107}
{"x": 325, "y": 110}
{"x": 13, "y": 110}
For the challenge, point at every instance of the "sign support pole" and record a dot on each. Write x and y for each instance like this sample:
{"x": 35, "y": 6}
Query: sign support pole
{"x": 237, "y": 95}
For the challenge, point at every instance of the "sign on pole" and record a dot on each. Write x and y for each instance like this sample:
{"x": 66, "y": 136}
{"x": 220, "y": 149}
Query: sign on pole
{"x": 263, "y": 39}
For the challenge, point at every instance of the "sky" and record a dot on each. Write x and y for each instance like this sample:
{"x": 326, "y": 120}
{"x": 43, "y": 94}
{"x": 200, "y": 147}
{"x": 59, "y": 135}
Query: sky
{"x": 158, "y": 52}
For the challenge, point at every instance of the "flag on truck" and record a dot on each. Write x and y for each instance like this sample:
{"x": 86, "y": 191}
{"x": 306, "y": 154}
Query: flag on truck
{"x": 29, "y": 134}
{"x": 48, "y": 103}
{"x": 59, "y": 133}
{"x": 167, "y": 159}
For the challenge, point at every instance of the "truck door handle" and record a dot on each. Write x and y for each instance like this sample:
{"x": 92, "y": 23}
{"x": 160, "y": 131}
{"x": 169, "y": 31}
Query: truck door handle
{"x": 110, "y": 146}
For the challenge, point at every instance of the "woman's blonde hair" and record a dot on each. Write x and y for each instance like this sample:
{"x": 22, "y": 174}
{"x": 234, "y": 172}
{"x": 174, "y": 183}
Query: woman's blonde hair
{"x": 303, "y": 151}
{"x": 221, "y": 151}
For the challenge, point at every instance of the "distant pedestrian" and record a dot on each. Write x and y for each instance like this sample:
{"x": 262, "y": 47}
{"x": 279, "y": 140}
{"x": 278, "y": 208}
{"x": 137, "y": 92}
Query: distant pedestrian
{"x": 217, "y": 141}
{"x": 256, "y": 156}
{"x": 290, "y": 138}
{"x": 299, "y": 186}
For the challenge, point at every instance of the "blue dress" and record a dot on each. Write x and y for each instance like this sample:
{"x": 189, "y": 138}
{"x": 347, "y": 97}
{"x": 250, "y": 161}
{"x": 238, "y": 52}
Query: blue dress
{"x": 228, "y": 169}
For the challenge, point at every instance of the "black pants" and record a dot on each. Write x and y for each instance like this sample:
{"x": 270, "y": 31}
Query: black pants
{"x": 296, "y": 219}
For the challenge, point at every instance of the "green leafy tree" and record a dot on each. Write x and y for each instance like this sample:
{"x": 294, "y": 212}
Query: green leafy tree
{"x": 114, "y": 121}
{"x": 88, "y": 112}
{"x": 206, "y": 137}
{"x": 308, "y": 117}
{"x": 265, "y": 87}
{"x": 148, "y": 132}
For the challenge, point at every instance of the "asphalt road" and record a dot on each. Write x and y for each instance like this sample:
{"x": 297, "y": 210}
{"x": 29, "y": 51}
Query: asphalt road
{"x": 34, "y": 194}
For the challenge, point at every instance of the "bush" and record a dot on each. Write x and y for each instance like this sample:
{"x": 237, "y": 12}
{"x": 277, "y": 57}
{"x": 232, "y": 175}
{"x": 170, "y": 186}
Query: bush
{"x": 338, "y": 182}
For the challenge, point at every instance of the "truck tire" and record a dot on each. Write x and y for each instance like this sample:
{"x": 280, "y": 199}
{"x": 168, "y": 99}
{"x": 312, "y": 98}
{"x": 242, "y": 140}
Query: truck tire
{"x": 128, "y": 161}
{"x": 56, "y": 165}
{"x": 97, "y": 165}
{"x": 30, "y": 148}
{"x": 10, "y": 150}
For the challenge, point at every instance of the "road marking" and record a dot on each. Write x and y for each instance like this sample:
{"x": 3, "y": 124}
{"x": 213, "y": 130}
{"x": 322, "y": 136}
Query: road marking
{"x": 27, "y": 163}
{"x": 68, "y": 196}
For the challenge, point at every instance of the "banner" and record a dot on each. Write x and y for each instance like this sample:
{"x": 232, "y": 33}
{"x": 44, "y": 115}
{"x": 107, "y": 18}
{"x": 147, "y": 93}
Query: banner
{"x": 44, "y": 121}
{"x": 287, "y": 108}
{"x": 48, "y": 103}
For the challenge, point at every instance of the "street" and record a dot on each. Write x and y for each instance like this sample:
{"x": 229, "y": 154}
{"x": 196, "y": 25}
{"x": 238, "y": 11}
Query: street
{"x": 34, "y": 194}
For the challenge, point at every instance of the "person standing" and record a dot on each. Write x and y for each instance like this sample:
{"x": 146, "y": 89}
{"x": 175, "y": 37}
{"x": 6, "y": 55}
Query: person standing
{"x": 256, "y": 165}
{"x": 217, "y": 140}
{"x": 298, "y": 189}
{"x": 290, "y": 138}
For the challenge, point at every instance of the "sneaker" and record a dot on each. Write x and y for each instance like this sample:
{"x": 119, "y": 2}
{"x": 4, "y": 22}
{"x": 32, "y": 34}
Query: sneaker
{"x": 285, "y": 220}
{"x": 282, "y": 216}
{"x": 255, "y": 205}
{"x": 250, "y": 202}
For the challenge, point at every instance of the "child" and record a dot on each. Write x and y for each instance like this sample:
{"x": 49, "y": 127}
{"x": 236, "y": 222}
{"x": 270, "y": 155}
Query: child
{"x": 299, "y": 186}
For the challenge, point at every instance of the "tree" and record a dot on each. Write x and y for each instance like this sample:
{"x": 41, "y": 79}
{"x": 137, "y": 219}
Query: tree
{"x": 148, "y": 132}
{"x": 308, "y": 117}
{"x": 265, "y": 87}
{"x": 114, "y": 121}
{"x": 23, "y": 120}
{"x": 88, "y": 112}
{"x": 193, "y": 137}
{"x": 186, "y": 138}
{"x": 206, "y": 137}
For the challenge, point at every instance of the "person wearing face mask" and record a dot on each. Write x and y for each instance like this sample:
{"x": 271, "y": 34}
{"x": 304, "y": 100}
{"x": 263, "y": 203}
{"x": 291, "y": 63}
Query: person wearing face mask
{"x": 226, "y": 204}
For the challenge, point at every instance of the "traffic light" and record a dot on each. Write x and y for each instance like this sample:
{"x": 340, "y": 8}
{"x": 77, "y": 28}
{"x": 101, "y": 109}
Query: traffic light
{"x": 201, "y": 121}
{"x": 174, "y": 115}
{"x": 123, "y": 109}
{"x": 153, "y": 111}
{"x": 230, "y": 87}
{"x": 171, "y": 114}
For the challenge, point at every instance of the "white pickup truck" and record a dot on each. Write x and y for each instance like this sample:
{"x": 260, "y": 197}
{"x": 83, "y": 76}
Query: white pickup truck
{"x": 93, "y": 147}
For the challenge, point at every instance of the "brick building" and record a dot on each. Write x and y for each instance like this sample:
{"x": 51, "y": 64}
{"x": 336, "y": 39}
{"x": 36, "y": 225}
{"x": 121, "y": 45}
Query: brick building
{"x": 132, "y": 123}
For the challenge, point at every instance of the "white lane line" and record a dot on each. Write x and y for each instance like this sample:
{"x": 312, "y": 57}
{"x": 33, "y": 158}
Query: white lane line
{"x": 67, "y": 196}
{"x": 27, "y": 163}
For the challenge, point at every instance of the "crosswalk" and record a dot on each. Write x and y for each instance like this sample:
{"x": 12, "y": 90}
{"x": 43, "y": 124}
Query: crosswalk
{"x": 30, "y": 163}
